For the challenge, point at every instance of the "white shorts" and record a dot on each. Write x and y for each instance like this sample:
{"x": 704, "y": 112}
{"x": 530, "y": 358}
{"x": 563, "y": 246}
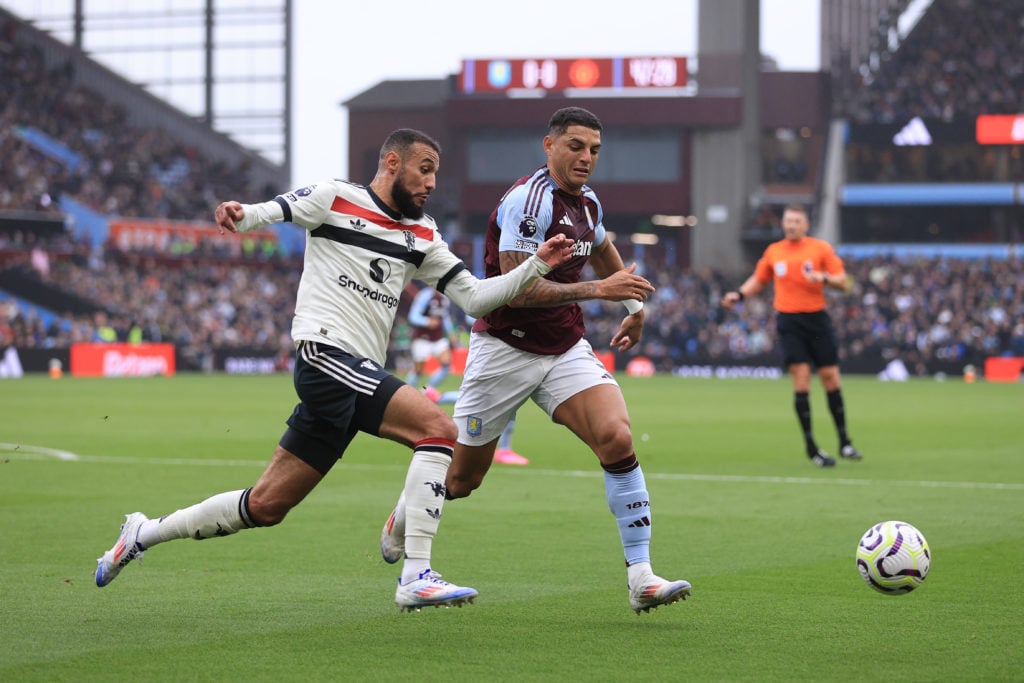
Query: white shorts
{"x": 422, "y": 349}
{"x": 500, "y": 378}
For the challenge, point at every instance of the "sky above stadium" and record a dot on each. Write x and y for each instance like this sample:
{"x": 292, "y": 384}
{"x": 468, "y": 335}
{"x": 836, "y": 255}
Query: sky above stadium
{"x": 342, "y": 51}
{"x": 343, "y": 48}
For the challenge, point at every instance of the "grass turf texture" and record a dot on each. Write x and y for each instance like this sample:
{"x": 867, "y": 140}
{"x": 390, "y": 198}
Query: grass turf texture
{"x": 766, "y": 539}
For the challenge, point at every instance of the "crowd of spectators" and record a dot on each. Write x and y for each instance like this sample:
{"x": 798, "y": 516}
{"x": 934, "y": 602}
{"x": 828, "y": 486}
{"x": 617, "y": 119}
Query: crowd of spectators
{"x": 100, "y": 160}
{"x": 197, "y": 302}
{"x": 964, "y": 58}
{"x": 926, "y": 312}
{"x": 940, "y": 163}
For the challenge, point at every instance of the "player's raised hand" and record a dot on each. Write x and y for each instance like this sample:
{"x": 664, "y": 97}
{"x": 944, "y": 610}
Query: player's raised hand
{"x": 227, "y": 214}
{"x": 556, "y": 250}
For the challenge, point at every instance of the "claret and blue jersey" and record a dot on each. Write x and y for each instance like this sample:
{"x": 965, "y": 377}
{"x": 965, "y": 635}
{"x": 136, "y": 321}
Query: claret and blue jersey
{"x": 533, "y": 210}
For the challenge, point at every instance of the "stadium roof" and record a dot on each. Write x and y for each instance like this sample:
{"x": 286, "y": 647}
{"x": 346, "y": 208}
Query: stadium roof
{"x": 402, "y": 95}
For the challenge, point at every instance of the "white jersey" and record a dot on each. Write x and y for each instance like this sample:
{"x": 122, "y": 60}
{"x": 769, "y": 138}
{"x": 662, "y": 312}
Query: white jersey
{"x": 360, "y": 255}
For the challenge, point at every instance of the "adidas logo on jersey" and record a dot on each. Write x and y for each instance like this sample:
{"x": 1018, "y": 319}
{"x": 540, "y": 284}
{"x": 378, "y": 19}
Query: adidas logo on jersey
{"x": 914, "y": 133}
{"x": 565, "y": 220}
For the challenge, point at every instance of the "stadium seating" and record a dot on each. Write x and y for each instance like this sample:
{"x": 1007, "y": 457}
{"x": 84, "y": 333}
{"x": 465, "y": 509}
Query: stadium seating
{"x": 58, "y": 140}
{"x": 962, "y": 59}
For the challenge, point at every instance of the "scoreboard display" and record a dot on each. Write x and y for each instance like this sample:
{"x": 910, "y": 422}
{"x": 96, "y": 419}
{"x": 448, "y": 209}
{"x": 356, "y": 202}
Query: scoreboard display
{"x": 613, "y": 73}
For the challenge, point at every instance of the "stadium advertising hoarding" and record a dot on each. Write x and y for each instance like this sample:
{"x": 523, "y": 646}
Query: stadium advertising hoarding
{"x": 122, "y": 360}
{"x": 915, "y": 131}
{"x": 551, "y": 74}
{"x": 15, "y": 362}
{"x": 252, "y": 361}
{"x": 986, "y": 129}
{"x": 1000, "y": 129}
{"x": 162, "y": 236}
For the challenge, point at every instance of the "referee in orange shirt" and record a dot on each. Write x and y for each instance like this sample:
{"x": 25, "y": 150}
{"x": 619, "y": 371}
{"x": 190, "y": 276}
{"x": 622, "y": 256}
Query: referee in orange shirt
{"x": 800, "y": 267}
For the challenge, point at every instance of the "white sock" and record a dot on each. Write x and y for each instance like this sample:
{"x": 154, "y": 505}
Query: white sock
{"x": 424, "y": 496}
{"x": 637, "y": 573}
{"x": 219, "y": 515}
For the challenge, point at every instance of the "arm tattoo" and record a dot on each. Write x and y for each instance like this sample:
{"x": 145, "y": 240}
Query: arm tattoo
{"x": 543, "y": 292}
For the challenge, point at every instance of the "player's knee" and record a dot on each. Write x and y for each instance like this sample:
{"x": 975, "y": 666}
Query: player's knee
{"x": 438, "y": 425}
{"x": 616, "y": 442}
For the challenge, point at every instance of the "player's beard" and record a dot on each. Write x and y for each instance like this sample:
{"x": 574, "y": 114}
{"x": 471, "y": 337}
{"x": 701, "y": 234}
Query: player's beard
{"x": 405, "y": 201}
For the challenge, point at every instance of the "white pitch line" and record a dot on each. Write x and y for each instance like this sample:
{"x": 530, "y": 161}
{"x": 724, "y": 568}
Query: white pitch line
{"x": 665, "y": 476}
{"x": 23, "y": 449}
{"x": 27, "y": 452}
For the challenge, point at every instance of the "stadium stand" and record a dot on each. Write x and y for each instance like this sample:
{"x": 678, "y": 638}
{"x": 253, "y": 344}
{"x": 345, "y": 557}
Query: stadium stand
{"x": 67, "y": 147}
{"x": 963, "y": 58}
{"x": 59, "y": 138}
{"x": 935, "y": 313}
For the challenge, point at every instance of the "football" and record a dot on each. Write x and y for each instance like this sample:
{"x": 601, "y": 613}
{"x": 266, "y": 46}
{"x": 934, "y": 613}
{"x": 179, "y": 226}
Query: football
{"x": 893, "y": 557}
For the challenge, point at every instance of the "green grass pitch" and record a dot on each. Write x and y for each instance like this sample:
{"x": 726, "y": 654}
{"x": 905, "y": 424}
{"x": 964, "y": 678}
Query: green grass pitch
{"x": 766, "y": 539}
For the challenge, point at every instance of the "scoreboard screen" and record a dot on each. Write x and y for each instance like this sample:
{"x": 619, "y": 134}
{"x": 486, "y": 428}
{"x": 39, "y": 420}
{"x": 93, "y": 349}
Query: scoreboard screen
{"x": 503, "y": 75}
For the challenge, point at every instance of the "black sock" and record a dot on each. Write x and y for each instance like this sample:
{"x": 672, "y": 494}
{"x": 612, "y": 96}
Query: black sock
{"x": 835, "y": 406}
{"x": 803, "y": 413}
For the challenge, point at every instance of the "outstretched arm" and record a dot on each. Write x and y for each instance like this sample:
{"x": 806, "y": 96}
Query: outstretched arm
{"x": 617, "y": 283}
{"x": 477, "y": 297}
{"x": 751, "y": 287}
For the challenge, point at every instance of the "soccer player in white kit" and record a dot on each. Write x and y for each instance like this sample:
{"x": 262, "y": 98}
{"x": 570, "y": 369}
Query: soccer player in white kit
{"x": 365, "y": 244}
{"x": 533, "y": 347}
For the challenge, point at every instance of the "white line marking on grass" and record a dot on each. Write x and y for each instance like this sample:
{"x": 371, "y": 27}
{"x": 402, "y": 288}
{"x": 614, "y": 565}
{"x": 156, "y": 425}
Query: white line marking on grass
{"x": 788, "y": 480}
{"x": 26, "y": 452}
{"x": 34, "y": 451}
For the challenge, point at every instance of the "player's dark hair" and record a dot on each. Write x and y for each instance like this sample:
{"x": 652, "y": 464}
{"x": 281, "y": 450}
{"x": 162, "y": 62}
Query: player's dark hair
{"x": 401, "y": 141}
{"x": 572, "y": 116}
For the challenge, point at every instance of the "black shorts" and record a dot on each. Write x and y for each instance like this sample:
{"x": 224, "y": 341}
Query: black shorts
{"x": 807, "y": 338}
{"x": 339, "y": 396}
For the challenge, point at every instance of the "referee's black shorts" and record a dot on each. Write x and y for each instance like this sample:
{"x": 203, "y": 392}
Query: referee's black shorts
{"x": 340, "y": 395}
{"x": 807, "y": 338}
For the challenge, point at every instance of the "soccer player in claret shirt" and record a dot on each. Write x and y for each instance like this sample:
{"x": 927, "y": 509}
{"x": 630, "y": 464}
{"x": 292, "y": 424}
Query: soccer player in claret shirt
{"x": 364, "y": 245}
{"x": 430, "y": 322}
{"x": 534, "y": 347}
{"x": 801, "y": 267}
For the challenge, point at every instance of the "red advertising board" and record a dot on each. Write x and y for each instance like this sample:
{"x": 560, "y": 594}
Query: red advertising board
{"x": 135, "y": 234}
{"x": 1000, "y": 129}
{"x": 122, "y": 360}
{"x": 501, "y": 75}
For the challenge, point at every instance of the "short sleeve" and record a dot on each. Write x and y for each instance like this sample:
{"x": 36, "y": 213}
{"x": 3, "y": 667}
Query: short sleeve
{"x": 521, "y": 231}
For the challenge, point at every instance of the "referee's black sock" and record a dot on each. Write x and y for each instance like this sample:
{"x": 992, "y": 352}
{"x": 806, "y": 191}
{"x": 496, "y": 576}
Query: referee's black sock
{"x": 835, "y": 406}
{"x": 803, "y": 413}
